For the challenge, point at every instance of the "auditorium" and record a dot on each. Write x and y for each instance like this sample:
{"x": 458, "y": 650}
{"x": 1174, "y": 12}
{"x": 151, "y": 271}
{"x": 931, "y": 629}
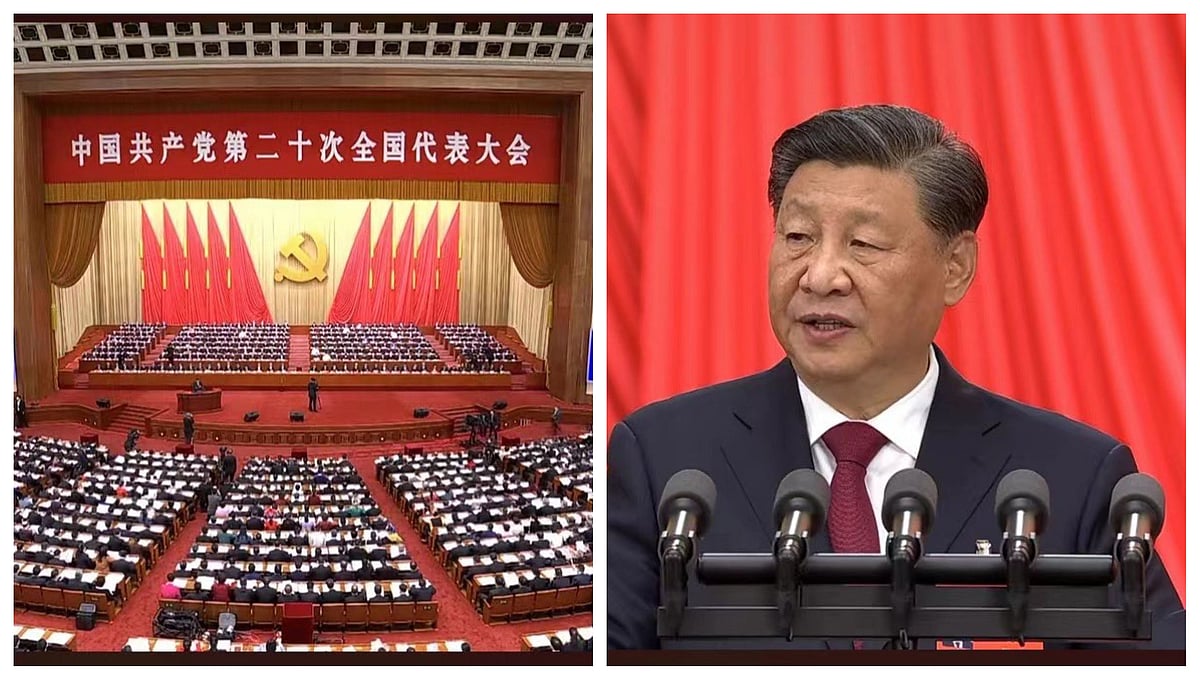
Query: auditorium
{"x": 303, "y": 337}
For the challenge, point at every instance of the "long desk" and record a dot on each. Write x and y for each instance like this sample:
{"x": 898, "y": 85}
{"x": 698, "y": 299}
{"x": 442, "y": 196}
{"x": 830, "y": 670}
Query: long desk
{"x": 208, "y": 400}
{"x": 299, "y": 380}
{"x": 150, "y": 644}
{"x": 541, "y": 641}
{"x": 55, "y": 639}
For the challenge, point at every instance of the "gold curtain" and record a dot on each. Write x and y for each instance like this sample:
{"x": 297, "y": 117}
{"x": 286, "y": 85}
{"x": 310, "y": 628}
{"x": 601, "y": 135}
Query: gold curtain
{"x": 74, "y": 310}
{"x": 72, "y": 231}
{"x": 529, "y": 311}
{"x": 531, "y": 232}
{"x": 483, "y": 274}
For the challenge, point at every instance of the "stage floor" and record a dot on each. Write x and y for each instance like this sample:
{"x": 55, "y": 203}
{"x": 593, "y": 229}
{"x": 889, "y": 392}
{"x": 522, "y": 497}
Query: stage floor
{"x": 338, "y": 407}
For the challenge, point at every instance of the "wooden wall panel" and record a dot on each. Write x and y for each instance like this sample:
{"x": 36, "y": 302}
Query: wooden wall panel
{"x": 571, "y": 320}
{"x": 32, "y": 321}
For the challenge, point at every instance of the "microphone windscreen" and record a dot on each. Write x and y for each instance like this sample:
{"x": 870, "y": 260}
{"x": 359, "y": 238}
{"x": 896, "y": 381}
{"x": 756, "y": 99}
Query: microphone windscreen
{"x": 804, "y": 483}
{"x": 1137, "y": 487}
{"x": 690, "y": 484}
{"x": 1023, "y": 484}
{"x": 913, "y": 484}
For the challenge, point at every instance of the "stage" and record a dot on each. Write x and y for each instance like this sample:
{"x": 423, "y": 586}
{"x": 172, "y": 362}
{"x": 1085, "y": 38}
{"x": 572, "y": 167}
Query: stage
{"x": 346, "y": 417}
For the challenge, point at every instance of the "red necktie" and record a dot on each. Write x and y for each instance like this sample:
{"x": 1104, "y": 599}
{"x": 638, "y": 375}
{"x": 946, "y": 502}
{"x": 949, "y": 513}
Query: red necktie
{"x": 851, "y": 519}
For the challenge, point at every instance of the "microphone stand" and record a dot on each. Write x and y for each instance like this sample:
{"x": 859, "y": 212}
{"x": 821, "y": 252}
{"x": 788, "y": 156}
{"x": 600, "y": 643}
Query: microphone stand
{"x": 790, "y": 552}
{"x": 1131, "y": 555}
{"x": 1019, "y": 553}
{"x": 903, "y": 551}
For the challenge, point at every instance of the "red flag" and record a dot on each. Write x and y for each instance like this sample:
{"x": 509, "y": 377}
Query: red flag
{"x": 220, "y": 302}
{"x": 380, "y": 310}
{"x": 244, "y": 288}
{"x": 447, "y": 288}
{"x": 197, "y": 267}
{"x": 403, "y": 267}
{"x": 426, "y": 273}
{"x": 352, "y": 289}
{"x": 152, "y": 273}
{"x": 176, "y": 308}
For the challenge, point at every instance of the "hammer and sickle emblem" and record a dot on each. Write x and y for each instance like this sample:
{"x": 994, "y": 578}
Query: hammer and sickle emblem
{"x": 314, "y": 268}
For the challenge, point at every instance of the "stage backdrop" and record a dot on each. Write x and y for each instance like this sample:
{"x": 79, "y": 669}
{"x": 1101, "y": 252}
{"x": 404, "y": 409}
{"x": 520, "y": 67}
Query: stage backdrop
{"x": 491, "y": 290}
{"x": 1079, "y": 301}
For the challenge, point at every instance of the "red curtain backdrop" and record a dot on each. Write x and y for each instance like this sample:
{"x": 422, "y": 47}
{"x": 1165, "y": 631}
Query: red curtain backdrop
{"x": 403, "y": 278}
{"x": 352, "y": 289}
{"x": 197, "y": 273}
{"x": 176, "y": 307}
{"x": 426, "y": 273}
{"x": 446, "y": 301}
{"x": 220, "y": 301}
{"x": 380, "y": 310}
{"x": 1078, "y": 305}
{"x": 152, "y": 273}
{"x": 246, "y": 291}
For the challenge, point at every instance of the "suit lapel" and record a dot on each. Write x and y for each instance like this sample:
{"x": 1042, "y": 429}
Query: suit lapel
{"x": 956, "y": 452}
{"x": 771, "y": 441}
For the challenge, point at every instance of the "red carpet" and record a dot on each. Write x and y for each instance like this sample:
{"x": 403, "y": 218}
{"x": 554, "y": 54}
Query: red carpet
{"x": 457, "y": 620}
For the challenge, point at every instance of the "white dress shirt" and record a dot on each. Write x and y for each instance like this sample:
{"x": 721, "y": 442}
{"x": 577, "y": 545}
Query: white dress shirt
{"x": 903, "y": 423}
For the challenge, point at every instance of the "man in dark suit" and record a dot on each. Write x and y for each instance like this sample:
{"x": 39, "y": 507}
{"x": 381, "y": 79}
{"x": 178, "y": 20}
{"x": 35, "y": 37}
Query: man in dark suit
{"x": 197, "y": 386}
{"x": 242, "y": 593}
{"x": 189, "y": 427}
{"x": 311, "y": 595}
{"x": 312, "y": 394}
{"x": 288, "y": 595}
{"x": 582, "y": 578}
{"x": 876, "y": 210}
{"x": 266, "y": 595}
{"x": 332, "y": 594}
{"x": 422, "y": 592}
{"x": 19, "y": 419}
{"x": 382, "y": 594}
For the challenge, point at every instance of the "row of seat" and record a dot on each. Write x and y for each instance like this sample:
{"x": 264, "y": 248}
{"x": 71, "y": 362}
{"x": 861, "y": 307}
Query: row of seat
{"x": 62, "y": 601}
{"x": 524, "y": 606}
{"x": 346, "y": 616}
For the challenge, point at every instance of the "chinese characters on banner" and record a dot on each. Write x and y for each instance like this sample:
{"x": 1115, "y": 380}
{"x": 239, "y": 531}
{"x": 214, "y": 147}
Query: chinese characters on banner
{"x": 420, "y": 146}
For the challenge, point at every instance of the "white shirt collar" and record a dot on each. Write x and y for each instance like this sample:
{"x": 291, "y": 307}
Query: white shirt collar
{"x": 903, "y": 422}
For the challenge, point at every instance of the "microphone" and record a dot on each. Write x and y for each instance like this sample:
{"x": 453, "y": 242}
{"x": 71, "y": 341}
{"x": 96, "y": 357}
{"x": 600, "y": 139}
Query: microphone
{"x": 1022, "y": 509}
{"x": 801, "y": 502}
{"x": 1136, "y": 512}
{"x": 909, "y": 503}
{"x": 684, "y": 512}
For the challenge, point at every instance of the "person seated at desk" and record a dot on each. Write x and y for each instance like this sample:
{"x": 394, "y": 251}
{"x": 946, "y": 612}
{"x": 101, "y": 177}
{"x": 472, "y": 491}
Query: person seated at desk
{"x": 332, "y": 594}
{"x": 169, "y": 591}
{"x": 356, "y": 594}
{"x": 266, "y": 595}
{"x": 242, "y": 593}
{"x": 423, "y": 592}
{"x": 310, "y": 595}
{"x": 288, "y": 595}
{"x": 220, "y": 590}
{"x": 582, "y": 578}
{"x": 252, "y": 574}
{"x": 382, "y": 594}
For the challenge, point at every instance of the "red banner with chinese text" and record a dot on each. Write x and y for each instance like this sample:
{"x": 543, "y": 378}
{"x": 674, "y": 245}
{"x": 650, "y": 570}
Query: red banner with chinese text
{"x": 332, "y": 145}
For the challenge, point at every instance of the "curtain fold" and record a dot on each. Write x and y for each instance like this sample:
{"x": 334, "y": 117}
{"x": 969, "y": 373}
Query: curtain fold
{"x": 244, "y": 288}
{"x": 446, "y": 299}
{"x": 402, "y": 280}
{"x": 1079, "y": 303}
{"x": 220, "y": 299}
{"x": 176, "y": 308}
{"x": 426, "y": 272}
{"x": 197, "y": 268}
{"x": 72, "y": 233}
{"x": 531, "y": 230}
{"x": 483, "y": 275}
{"x": 352, "y": 291}
{"x": 152, "y": 273}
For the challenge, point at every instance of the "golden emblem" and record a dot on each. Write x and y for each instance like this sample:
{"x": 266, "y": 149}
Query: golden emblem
{"x": 313, "y": 266}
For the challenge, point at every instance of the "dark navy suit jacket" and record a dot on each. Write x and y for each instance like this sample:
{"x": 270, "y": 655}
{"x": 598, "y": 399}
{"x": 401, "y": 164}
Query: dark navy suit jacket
{"x": 749, "y": 433}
